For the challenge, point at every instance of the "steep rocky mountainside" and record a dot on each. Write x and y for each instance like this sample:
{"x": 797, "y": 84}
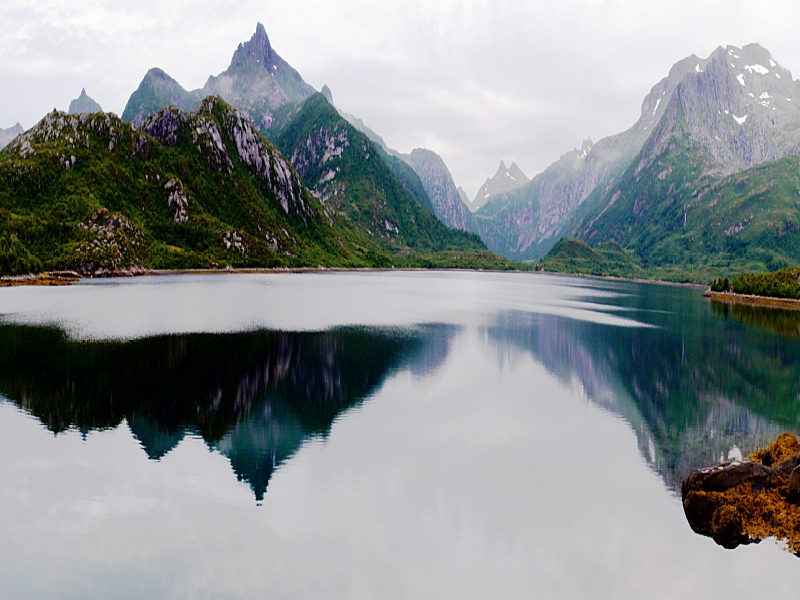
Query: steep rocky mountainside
{"x": 737, "y": 109}
{"x": 505, "y": 180}
{"x": 203, "y": 189}
{"x": 6, "y": 135}
{"x": 346, "y": 171}
{"x": 717, "y": 183}
{"x": 258, "y": 82}
{"x": 443, "y": 196}
{"x": 441, "y": 189}
{"x": 84, "y": 104}
{"x": 463, "y": 195}
{"x": 266, "y": 88}
{"x": 525, "y": 223}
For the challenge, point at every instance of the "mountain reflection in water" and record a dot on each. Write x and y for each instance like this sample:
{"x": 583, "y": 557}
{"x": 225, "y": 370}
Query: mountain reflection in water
{"x": 254, "y": 397}
{"x": 701, "y": 383}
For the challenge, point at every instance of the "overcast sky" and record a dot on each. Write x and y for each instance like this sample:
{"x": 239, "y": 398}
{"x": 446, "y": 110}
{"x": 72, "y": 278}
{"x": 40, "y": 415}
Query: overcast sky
{"x": 475, "y": 80}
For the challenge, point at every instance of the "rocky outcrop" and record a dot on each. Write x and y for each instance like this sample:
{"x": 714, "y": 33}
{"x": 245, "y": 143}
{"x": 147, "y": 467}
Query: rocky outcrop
{"x": 84, "y": 104}
{"x": 746, "y": 501}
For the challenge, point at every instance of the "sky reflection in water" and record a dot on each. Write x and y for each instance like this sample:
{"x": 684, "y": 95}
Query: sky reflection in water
{"x": 405, "y": 435}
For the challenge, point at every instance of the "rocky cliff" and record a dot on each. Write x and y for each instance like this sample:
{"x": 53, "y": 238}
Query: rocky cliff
{"x": 441, "y": 188}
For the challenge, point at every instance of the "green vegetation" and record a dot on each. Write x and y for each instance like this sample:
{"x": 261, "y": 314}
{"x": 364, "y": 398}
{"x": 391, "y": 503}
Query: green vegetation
{"x": 782, "y": 284}
{"x": 16, "y": 259}
{"x": 343, "y": 168}
{"x": 571, "y": 255}
{"x": 682, "y": 221}
{"x": 94, "y": 194}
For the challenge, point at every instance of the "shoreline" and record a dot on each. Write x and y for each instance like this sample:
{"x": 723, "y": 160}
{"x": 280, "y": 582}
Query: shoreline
{"x": 751, "y": 300}
{"x": 61, "y": 278}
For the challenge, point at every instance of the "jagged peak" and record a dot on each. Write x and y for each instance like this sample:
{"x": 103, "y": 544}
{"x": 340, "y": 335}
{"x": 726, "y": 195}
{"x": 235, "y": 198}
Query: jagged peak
{"x": 256, "y": 50}
{"x": 502, "y": 168}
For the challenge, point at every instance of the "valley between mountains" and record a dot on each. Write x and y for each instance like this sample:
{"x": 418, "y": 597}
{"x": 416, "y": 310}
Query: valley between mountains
{"x": 258, "y": 169}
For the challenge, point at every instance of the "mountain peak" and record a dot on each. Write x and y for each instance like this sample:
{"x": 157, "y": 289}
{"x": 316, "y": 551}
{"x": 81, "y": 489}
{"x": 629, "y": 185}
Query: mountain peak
{"x": 326, "y": 91}
{"x": 504, "y": 180}
{"x": 256, "y": 52}
{"x": 84, "y": 104}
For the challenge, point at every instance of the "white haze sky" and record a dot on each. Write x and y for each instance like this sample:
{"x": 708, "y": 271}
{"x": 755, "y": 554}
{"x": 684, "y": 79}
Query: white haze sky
{"x": 475, "y": 80}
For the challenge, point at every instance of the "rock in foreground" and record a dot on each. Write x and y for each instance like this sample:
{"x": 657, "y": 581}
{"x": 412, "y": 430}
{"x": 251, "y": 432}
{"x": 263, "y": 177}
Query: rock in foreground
{"x": 746, "y": 501}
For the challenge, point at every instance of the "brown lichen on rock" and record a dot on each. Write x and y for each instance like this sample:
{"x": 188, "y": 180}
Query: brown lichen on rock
{"x": 744, "y": 502}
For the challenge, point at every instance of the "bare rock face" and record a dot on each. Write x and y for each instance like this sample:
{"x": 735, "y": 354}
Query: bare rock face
{"x": 222, "y": 134}
{"x": 743, "y": 502}
{"x": 439, "y": 185}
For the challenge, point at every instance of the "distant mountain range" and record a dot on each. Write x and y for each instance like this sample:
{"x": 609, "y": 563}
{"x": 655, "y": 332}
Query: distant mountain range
{"x": 6, "y": 135}
{"x": 266, "y": 88}
{"x": 705, "y": 180}
{"x": 505, "y": 180}
{"x": 190, "y": 181}
{"x": 705, "y": 183}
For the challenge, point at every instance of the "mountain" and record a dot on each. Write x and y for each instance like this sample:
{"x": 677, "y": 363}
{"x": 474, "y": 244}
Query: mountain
{"x": 441, "y": 189}
{"x": 6, "y": 135}
{"x": 435, "y": 177}
{"x": 258, "y": 82}
{"x": 347, "y": 172}
{"x": 526, "y": 222}
{"x": 84, "y": 104}
{"x": 266, "y": 88}
{"x": 715, "y": 186}
{"x": 156, "y": 92}
{"x": 463, "y": 195}
{"x": 505, "y": 180}
{"x": 95, "y": 194}
{"x": 706, "y": 122}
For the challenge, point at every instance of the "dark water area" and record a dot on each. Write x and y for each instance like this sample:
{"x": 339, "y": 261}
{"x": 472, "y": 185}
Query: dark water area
{"x": 405, "y": 435}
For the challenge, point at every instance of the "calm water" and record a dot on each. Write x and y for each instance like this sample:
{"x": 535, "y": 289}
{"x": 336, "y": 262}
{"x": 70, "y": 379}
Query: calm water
{"x": 395, "y": 435}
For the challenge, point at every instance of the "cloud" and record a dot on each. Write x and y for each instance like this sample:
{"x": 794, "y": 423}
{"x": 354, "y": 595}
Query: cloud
{"x": 474, "y": 80}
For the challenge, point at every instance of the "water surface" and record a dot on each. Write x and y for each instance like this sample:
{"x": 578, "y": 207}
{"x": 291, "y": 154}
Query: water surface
{"x": 391, "y": 435}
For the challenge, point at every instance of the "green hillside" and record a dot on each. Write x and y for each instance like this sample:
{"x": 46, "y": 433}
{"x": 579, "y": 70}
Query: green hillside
{"x": 95, "y": 194}
{"x": 683, "y": 221}
{"x": 575, "y": 256}
{"x": 92, "y": 193}
{"x": 342, "y": 167}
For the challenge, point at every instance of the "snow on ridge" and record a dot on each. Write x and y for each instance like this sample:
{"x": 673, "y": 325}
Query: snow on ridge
{"x": 764, "y": 96}
{"x": 761, "y": 70}
{"x": 739, "y": 120}
{"x": 740, "y": 77}
{"x": 656, "y": 108}
{"x": 697, "y": 68}
{"x": 772, "y": 63}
